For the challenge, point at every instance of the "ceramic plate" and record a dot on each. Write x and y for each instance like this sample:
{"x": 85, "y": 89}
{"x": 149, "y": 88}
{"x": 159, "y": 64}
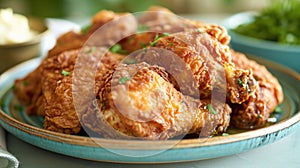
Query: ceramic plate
{"x": 29, "y": 128}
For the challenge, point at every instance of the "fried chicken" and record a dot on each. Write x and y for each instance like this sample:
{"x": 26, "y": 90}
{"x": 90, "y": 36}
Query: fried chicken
{"x": 106, "y": 29}
{"x": 138, "y": 101}
{"x": 210, "y": 63}
{"x": 256, "y": 110}
{"x": 161, "y": 20}
{"x": 174, "y": 77}
{"x": 28, "y": 94}
{"x": 158, "y": 20}
{"x": 59, "y": 92}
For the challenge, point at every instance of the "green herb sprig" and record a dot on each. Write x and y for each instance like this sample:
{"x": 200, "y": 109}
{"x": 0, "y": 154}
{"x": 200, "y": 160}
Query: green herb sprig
{"x": 278, "y": 110}
{"x": 240, "y": 82}
{"x": 117, "y": 48}
{"x": 211, "y": 109}
{"x": 65, "y": 73}
{"x": 156, "y": 38}
{"x": 124, "y": 79}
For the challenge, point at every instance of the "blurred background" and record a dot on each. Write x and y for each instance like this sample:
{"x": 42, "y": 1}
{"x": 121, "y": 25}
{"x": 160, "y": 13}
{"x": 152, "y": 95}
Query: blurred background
{"x": 70, "y": 9}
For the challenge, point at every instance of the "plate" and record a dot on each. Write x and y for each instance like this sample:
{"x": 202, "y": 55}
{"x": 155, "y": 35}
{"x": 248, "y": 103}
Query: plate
{"x": 29, "y": 129}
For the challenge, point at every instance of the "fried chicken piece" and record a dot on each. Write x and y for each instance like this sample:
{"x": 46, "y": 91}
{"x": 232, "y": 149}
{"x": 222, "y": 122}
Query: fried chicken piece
{"x": 157, "y": 20}
{"x": 210, "y": 63}
{"x": 161, "y": 20}
{"x": 67, "y": 41}
{"x": 59, "y": 90}
{"x": 42, "y": 80}
{"x": 60, "y": 114}
{"x": 138, "y": 101}
{"x": 106, "y": 29}
{"x": 254, "y": 112}
{"x": 58, "y": 108}
{"x": 137, "y": 41}
{"x": 152, "y": 100}
{"x": 29, "y": 93}
{"x": 25, "y": 89}
{"x": 215, "y": 31}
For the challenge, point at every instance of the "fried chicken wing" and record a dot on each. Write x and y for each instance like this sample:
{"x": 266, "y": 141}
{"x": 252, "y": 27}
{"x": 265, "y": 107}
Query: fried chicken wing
{"x": 137, "y": 101}
{"x": 254, "y": 112}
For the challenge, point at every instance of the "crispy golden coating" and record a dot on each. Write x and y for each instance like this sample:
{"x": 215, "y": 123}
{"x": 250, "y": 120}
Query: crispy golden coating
{"x": 210, "y": 63}
{"x": 42, "y": 81}
{"x": 60, "y": 114}
{"x": 29, "y": 88}
{"x": 158, "y": 20}
{"x": 216, "y": 31}
{"x": 146, "y": 105}
{"x": 174, "y": 78}
{"x": 58, "y": 109}
{"x": 59, "y": 93}
{"x": 162, "y": 20}
{"x": 74, "y": 40}
{"x": 255, "y": 112}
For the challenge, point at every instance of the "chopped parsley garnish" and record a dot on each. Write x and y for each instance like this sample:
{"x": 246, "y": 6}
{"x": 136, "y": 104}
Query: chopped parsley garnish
{"x": 240, "y": 82}
{"x": 91, "y": 50}
{"x": 131, "y": 40}
{"x": 13, "y": 87}
{"x": 142, "y": 44}
{"x": 156, "y": 38}
{"x": 65, "y": 73}
{"x": 210, "y": 108}
{"x": 86, "y": 28}
{"x": 142, "y": 28}
{"x": 124, "y": 79}
{"x": 171, "y": 44}
{"x": 117, "y": 48}
{"x": 130, "y": 61}
{"x": 25, "y": 83}
{"x": 215, "y": 132}
{"x": 278, "y": 109}
{"x": 258, "y": 116}
{"x": 153, "y": 43}
{"x": 164, "y": 34}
